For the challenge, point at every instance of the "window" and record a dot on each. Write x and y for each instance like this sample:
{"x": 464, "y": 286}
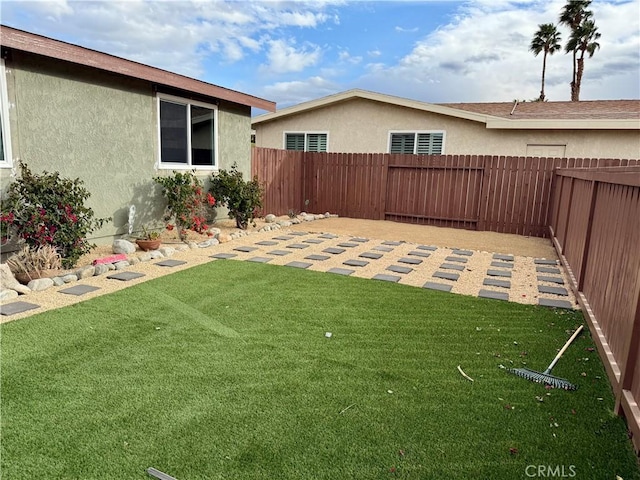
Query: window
{"x": 187, "y": 132}
{"x": 421, "y": 143}
{"x": 5, "y": 138}
{"x": 308, "y": 142}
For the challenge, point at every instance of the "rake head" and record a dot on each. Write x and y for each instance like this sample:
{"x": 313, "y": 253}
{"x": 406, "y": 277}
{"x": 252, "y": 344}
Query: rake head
{"x": 543, "y": 377}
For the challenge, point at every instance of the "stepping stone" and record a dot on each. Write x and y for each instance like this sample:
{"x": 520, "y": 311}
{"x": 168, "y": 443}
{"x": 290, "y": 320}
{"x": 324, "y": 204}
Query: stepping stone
{"x": 259, "y": 259}
{"x": 557, "y": 280}
{"x": 443, "y": 287}
{"x": 16, "y": 307}
{"x": 318, "y": 257}
{"x": 431, "y": 248}
{"x": 298, "y": 246}
{"x": 451, "y": 266}
{"x": 328, "y": 236}
{"x": 283, "y": 237}
{"x": 340, "y": 271}
{"x": 399, "y": 269}
{"x": 447, "y": 276}
{"x": 500, "y": 256}
{"x": 223, "y": 256}
{"x": 390, "y": 243}
{"x": 280, "y": 253}
{"x": 298, "y": 264}
{"x": 502, "y": 264}
{"x": 386, "y": 278}
{"x": 356, "y": 263}
{"x": 416, "y": 253}
{"x": 170, "y": 263}
{"x": 371, "y": 255}
{"x": 553, "y": 290}
{"x": 267, "y": 243}
{"x": 383, "y": 249}
{"x": 334, "y": 251}
{"x": 494, "y": 282}
{"x": 466, "y": 253}
{"x": 359, "y": 239}
{"x": 125, "y": 276}
{"x": 79, "y": 290}
{"x": 544, "y": 261}
{"x": 315, "y": 241}
{"x": 456, "y": 259}
{"x": 299, "y": 234}
{"x": 348, "y": 245}
{"x": 246, "y": 249}
{"x": 410, "y": 261}
{"x": 499, "y": 273}
{"x": 548, "y": 270}
{"x": 547, "y": 302}
{"x": 494, "y": 295}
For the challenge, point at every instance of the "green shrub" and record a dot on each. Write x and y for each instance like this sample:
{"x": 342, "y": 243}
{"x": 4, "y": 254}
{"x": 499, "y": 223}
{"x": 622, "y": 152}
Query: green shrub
{"x": 243, "y": 199}
{"x": 186, "y": 202}
{"x": 48, "y": 209}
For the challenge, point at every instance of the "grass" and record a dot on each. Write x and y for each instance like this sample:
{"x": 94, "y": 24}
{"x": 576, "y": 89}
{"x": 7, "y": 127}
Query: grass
{"x": 223, "y": 371}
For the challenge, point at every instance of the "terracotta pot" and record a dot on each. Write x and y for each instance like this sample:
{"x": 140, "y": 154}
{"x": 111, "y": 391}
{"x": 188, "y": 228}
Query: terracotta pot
{"x": 25, "y": 278}
{"x": 147, "y": 245}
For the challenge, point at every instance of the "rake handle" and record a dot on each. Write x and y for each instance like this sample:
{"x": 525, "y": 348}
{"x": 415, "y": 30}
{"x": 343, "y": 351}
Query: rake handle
{"x": 566, "y": 345}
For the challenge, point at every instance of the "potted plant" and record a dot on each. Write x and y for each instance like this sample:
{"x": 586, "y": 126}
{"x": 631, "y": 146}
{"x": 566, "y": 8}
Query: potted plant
{"x": 149, "y": 240}
{"x": 31, "y": 263}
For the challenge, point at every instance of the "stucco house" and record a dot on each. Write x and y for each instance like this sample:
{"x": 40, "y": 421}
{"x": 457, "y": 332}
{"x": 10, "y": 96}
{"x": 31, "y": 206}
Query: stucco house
{"x": 114, "y": 123}
{"x": 358, "y": 121}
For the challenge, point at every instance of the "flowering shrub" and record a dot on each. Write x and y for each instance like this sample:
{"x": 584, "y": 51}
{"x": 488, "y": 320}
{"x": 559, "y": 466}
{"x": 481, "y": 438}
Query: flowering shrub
{"x": 186, "y": 203}
{"x": 48, "y": 209}
{"x": 243, "y": 199}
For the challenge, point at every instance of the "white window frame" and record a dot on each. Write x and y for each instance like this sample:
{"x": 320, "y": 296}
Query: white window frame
{"x": 415, "y": 139}
{"x": 4, "y": 113}
{"x": 306, "y": 138}
{"x": 188, "y": 102}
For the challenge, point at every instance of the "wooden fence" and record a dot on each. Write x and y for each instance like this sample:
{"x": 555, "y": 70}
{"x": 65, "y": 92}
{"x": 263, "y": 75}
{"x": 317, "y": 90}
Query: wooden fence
{"x": 595, "y": 228}
{"x": 499, "y": 194}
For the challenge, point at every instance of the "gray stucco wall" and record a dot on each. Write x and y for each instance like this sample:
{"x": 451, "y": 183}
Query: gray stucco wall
{"x": 102, "y": 128}
{"x": 362, "y": 126}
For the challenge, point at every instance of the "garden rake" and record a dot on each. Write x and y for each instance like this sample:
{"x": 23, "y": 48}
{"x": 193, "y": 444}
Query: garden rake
{"x": 546, "y": 377}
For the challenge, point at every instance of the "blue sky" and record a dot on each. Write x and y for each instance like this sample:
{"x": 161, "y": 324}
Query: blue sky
{"x": 294, "y": 51}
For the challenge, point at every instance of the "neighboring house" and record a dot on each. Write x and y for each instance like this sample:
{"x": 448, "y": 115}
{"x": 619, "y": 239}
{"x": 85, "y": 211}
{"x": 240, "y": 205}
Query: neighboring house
{"x": 359, "y": 121}
{"x": 114, "y": 123}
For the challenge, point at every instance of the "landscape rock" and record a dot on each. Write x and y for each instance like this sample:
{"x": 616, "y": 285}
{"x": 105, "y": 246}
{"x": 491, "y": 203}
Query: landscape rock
{"x": 192, "y": 244}
{"x": 224, "y": 237}
{"x": 40, "y": 284}
{"x": 167, "y": 251}
{"x": 85, "y": 272}
{"x": 121, "y": 265}
{"x": 270, "y": 218}
{"x": 214, "y": 231}
{"x": 7, "y": 280}
{"x": 156, "y": 254}
{"x": 182, "y": 248}
{"x": 123, "y": 246}
{"x": 70, "y": 277}
{"x": 101, "y": 269}
{"x": 8, "y": 294}
{"x": 57, "y": 281}
{"x": 327, "y": 215}
{"x": 133, "y": 261}
{"x": 145, "y": 257}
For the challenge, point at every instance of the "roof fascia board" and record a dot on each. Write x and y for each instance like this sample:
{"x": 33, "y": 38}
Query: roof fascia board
{"x": 563, "y": 124}
{"x": 36, "y": 44}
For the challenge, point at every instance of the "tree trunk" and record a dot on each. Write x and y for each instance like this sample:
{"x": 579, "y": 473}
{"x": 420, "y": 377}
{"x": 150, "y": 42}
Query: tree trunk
{"x": 575, "y": 94}
{"x": 544, "y": 68}
{"x": 574, "y": 98}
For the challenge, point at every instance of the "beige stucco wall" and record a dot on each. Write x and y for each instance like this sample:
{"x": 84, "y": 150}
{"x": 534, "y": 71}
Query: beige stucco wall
{"x": 362, "y": 126}
{"x": 102, "y": 128}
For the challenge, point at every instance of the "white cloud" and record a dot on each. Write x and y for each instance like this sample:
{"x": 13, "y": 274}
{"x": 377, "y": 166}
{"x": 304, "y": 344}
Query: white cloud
{"x": 346, "y": 57}
{"x": 374, "y": 53}
{"x": 284, "y": 57}
{"x": 298, "y": 91}
{"x": 406, "y": 30}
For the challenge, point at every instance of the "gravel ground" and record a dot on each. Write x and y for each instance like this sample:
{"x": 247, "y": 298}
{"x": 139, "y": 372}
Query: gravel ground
{"x": 524, "y": 284}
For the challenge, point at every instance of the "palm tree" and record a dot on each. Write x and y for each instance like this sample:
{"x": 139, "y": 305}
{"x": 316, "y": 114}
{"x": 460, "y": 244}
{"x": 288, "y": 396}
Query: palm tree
{"x": 583, "y": 40}
{"x": 547, "y": 40}
{"x": 572, "y": 15}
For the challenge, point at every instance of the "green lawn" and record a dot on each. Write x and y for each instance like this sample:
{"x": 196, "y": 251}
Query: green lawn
{"x": 223, "y": 371}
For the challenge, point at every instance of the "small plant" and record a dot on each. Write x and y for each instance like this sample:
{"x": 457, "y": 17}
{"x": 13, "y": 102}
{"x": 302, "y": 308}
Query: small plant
{"x": 32, "y": 262}
{"x": 48, "y": 209}
{"x": 148, "y": 233}
{"x": 186, "y": 203}
{"x": 292, "y": 213}
{"x": 243, "y": 199}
